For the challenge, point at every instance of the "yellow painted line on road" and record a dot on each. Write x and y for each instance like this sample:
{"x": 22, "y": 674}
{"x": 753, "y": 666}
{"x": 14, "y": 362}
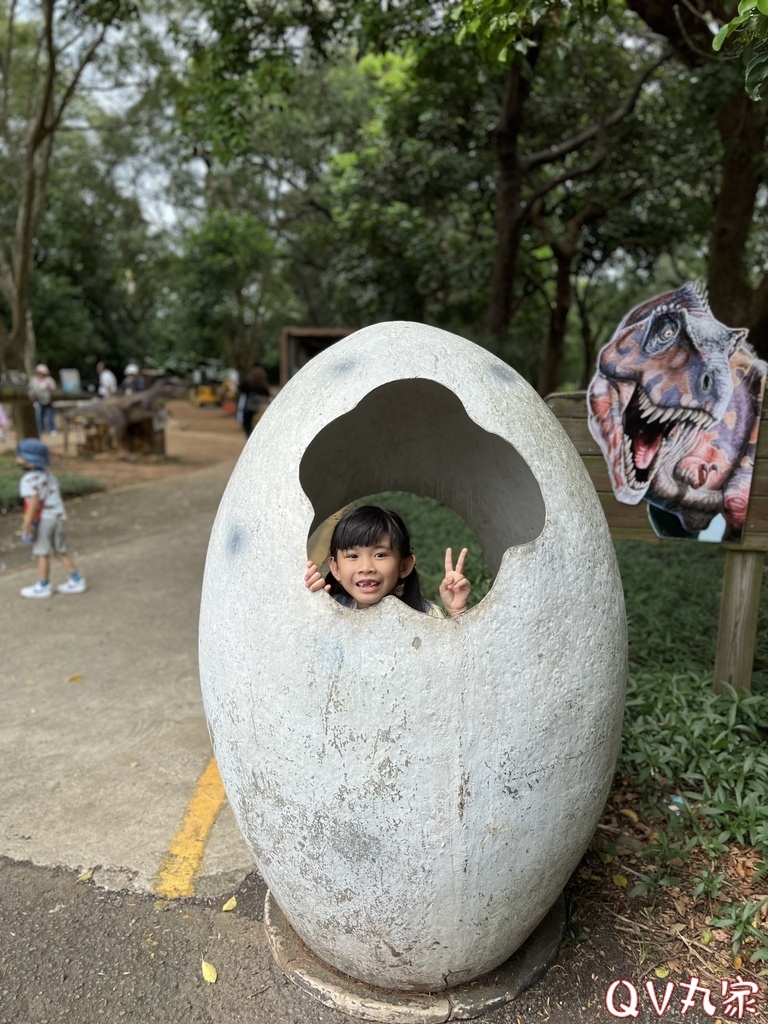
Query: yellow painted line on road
{"x": 183, "y": 862}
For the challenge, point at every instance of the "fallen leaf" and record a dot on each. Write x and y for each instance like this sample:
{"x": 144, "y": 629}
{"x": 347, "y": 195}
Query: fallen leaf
{"x": 210, "y": 974}
{"x": 706, "y": 937}
{"x": 134, "y": 764}
{"x": 86, "y": 876}
{"x": 761, "y": 917}
{"x": 76, "y": 678}
{"x": 661, "y": 972}
{"x": 620, "y": 880}
{"x": 677, "y": 928}
{"x": 737, "y": 962}
{"x": 230, "y": 905}
{"x": 629, "y": 813}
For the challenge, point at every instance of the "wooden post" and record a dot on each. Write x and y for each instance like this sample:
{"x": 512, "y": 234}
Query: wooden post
{"x": 742, "y": 580}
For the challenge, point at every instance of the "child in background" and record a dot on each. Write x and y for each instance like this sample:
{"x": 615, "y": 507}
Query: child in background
{"x": 43, "y": 506}
{"x": 371, "y": 558}
{"x": 41, "y": 389}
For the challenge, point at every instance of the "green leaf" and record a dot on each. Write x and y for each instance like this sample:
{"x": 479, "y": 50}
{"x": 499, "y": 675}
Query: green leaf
{"x": 756, "y": 75}
{"x": 727, "y": 29}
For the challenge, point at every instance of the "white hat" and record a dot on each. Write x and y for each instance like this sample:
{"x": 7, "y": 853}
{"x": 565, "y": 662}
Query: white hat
{"x": 42, "y": 368}
{"x": 131, "y": 368}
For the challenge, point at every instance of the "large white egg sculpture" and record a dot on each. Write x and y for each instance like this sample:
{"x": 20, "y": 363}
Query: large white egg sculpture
{"x": 415, "y": 791}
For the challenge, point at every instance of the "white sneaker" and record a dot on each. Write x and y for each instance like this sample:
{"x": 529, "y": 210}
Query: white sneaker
{"x": 38, "y": 590}
{"x": 72, "y": 587}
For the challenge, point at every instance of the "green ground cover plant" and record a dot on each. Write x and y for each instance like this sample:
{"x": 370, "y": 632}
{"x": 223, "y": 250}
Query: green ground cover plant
{"x": 694, "y": 761}
{"x": 72, "y": 484}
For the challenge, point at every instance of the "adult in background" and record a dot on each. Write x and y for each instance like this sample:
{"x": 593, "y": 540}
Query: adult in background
{"x": 107, "y": 381}
{"x": 255, "y": 396}
{"x": 132, "y": 380}
{"x": 41, "y": 388}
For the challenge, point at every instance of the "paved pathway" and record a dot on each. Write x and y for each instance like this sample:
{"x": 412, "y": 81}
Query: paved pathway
{"x": 103, "y": 725}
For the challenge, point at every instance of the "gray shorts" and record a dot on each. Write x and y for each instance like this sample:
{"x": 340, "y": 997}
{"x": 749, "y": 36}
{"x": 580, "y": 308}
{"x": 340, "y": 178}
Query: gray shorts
{"x": 51, "y": 536}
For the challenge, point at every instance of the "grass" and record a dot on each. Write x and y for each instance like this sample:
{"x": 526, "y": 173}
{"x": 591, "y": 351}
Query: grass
{"x": 709, "y": 751}
{"x": 72, "y": 484}
{"x": 693, "y": 769}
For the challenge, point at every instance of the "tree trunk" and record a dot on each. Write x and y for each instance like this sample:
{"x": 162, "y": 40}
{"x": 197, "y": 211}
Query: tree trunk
{"x": 742, "y": 127}
{"x": 550, "y": 374}
{"x": 24, "y": 420}
{"x": 587, "y": 341}
{"x": 510, "y": 213}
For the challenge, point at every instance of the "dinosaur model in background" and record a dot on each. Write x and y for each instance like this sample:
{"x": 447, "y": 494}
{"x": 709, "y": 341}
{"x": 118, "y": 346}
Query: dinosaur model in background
{"x": 675, "y": 407}
{"x": 120, "y": 412}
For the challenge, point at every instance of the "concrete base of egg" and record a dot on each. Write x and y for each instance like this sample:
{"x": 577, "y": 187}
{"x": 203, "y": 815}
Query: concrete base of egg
{"x": 463, "y": 1002}
{"x": 415, "y": 791}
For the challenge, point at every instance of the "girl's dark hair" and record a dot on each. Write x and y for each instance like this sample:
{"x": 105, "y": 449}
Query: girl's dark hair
{"x": 363, "y": 527}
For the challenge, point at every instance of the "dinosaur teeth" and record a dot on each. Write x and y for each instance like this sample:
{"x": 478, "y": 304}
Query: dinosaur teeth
{"x": 629, "y": 465}
{"x": 644, "y": 401}
{"x": 704, "y": 419}
{"x": 694, "y": 418}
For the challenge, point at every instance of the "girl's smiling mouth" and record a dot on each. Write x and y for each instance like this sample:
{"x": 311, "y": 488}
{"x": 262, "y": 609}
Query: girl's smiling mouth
{"x": 368, "y": 585}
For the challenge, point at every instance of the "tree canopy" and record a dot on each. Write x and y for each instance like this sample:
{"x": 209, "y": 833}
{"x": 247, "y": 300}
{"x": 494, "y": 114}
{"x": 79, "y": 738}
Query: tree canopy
{"x": 520, "y": 173}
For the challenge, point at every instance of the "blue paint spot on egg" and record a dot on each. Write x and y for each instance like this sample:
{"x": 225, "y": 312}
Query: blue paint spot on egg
{"x": 235, "y": 542}
{"x": 345, "y": 367}
{"x": 504, "y": 373}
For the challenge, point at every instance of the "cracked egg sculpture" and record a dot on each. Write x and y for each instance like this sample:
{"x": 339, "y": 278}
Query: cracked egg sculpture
{"x": 415, "y": 791}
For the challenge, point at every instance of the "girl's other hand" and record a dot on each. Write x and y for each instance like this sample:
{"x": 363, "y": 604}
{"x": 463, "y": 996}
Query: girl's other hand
{"x": 455, "y": 588}
{"x": 313, "y": 580}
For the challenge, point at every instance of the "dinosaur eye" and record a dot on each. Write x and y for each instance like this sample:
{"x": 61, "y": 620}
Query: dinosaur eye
{"x": 662, "y": 332}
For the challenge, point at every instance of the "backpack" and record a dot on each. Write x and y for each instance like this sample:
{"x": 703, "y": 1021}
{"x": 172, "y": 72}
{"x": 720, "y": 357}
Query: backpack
{"x": 35, "y": 524}
{"x": 255, "y": 402}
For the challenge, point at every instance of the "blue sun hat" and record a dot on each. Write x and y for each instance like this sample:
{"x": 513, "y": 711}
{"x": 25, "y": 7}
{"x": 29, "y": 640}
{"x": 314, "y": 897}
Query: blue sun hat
{"x": 33, "y": 452}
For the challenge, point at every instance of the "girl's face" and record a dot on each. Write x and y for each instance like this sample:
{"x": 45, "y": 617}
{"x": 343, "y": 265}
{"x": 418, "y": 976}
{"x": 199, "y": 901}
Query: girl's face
{"x": 369, "y": 574}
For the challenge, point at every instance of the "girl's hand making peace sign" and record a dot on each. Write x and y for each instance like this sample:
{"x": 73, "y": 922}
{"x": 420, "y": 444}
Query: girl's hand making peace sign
{"x": 455, "y": 588}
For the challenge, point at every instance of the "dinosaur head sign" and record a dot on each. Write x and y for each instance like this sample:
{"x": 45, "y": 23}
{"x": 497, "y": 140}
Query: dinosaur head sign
{"x": 675, "y": 407}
